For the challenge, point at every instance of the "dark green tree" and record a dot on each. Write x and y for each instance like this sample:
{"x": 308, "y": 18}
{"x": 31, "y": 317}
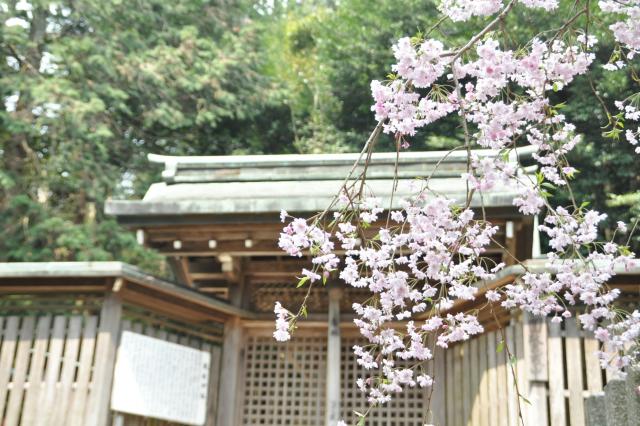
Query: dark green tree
{"x": 91, "y": 87}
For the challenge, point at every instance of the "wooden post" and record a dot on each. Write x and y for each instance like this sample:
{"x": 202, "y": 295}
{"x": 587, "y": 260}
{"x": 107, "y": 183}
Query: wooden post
{"x": 180, "y": 268}
{"x": 511, "y": 243}
{"x": 333, "y": 358}
{"x": 574, "y": 371}
{"x": 105, "y": 358}
{"x": 438, "y": 402}
{"x": 535, "y": 349}
{"x": 536, "y": 250}
{"x": 229, "y": 399}
{"x": 556, "y": 376}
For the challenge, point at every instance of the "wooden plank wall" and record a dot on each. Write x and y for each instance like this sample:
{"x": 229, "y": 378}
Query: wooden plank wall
{"x": 46, "y": 363}
{"x": 555, "y": 370}
{"x": 480, "y": 388}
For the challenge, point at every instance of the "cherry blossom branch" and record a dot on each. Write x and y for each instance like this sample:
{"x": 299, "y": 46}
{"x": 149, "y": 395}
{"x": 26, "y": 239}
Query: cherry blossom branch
{"x": 430, "y": 252}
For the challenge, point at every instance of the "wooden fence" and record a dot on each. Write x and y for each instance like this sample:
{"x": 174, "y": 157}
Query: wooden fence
{"x": 553, "y": 366}
{"x": 57, "y": 356}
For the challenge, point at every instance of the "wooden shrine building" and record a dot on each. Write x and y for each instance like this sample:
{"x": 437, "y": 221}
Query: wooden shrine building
{"x": 69, "y": 328}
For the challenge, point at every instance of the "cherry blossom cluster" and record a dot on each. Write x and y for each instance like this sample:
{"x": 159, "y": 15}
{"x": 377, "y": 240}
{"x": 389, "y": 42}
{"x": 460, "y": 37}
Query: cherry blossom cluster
{"x": 497, "y": 123}
{"x": 463, "y": 10}
{"x": 298, "y": 236}
{"x": 616, "y": 337}
{"x": 626, "y": 32}
{"x": 428, "y": 255}
{"x": 282, "y": 323}
{"x": 574, "y": 279}
{"x": 631, "y": 114}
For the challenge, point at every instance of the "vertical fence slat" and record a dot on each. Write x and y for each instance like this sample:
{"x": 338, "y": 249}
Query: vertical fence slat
{"x": 484, "y": 382}
{"x": 574, "y": 372}
{"x": 475, "y": 381}
{"x": 29, "y": 412}
{"x": 512, "y": 396}
{"x": 20, "y": 372}
{"x": 466, "y": 383}
{"x": 535, "y": 350}
{"x": 521, "y": 367}
{"x": 556, "y": 376}
{"x": 48, "y": 394}
{"x": 457, "y": 383}
{"x": 438, "y": 398}
{"x": 450, "y": 386}
{"x": 503, "y": 405}
{"x": 594, "y": 371}
{"x": 150, "y": 331}
{"x": 69, "y": 360}
{"x": 493, "y": 399}
{"x": 611, "y": 373}
{"x": 79, "y": 399}
{"x": 9, "y": 343}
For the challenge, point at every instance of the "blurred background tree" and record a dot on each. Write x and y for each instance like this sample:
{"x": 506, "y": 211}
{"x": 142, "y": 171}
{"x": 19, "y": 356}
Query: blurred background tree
{"x": 91, "y": 87}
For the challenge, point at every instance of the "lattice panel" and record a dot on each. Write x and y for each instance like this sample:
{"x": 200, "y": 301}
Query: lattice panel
{"x": 284, "y": 383}
{"x": 264, "y": 296}
{"x": 405, "y": 409}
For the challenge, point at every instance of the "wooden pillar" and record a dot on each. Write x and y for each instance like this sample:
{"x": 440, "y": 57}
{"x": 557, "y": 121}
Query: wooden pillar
{"x": 229, "y": 397}
{"x": 511, "y": 242}
{"x": 536, "y": 250}
{"x": 105, "y": 358}
{"x": 333, "y": 358}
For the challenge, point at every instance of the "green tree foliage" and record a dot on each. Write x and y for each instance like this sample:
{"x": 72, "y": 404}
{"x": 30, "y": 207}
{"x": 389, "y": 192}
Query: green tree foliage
{"x": 90, "y": 87}
{"x": 333, "y": 52}
{"x": 325, "y": 56}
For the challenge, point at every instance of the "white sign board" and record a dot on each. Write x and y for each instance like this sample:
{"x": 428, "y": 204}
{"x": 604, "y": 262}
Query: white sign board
{"x": 159, "y": 379}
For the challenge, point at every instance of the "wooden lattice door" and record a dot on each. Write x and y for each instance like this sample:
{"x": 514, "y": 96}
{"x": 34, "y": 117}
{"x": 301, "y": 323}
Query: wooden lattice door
{"x": 284, "y": 384}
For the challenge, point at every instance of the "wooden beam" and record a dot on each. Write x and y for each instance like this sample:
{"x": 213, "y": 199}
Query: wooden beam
{"x": 214, "y": 290}
{"x": 208, "y": 276}
{"x": 31, "y": 289}
{"x": 168, "y": 306}
{"x": 180, "y": 267}
{"x": 461, "y": 305}
{"x": 511, "y": 242}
